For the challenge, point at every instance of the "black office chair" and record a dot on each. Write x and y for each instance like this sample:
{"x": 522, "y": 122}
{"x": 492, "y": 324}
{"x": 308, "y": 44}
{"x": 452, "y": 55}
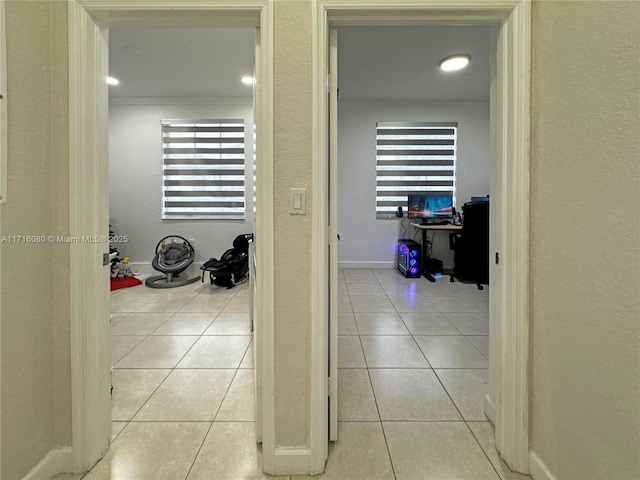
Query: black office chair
{"x": 471, "y": 245}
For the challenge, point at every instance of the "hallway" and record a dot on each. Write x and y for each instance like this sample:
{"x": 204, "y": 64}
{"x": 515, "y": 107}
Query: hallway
{"x": 412, "y": 378}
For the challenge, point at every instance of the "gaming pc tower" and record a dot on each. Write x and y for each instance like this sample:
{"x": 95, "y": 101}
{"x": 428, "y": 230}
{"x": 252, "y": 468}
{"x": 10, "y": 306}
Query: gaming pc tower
{"x": 409, "y": 258}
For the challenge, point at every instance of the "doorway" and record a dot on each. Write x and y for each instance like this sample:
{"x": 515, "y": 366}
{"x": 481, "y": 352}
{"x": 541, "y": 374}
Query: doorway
{"x": 88, "y": 164}
{"x": 180, "y": 354}
{"x": 507, "y": 404}
{"x": 394, "y": 331}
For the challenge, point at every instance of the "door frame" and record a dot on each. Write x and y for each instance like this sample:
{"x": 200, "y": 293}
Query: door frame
{"x": 333, "y": 234}
{"x": 507, "y": 404}
{"x": 88, "y": 23}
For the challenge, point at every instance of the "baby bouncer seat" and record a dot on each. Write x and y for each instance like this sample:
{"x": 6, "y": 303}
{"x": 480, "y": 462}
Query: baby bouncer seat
{"x": 173, "y": 255}
{"x": 233, "y": 266}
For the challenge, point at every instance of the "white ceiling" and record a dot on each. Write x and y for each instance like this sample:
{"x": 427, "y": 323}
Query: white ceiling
{"x": 181, "y": 62}
{"x": 401, "y": 63}
{"x": 375, "y": 63}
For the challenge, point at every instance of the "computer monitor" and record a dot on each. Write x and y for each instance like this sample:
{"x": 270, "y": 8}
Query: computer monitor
{"x": 426, "y": 206}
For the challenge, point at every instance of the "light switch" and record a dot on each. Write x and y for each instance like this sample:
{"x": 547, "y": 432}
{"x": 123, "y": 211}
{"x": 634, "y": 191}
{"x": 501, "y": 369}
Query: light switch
{"x": 298, "y": 201}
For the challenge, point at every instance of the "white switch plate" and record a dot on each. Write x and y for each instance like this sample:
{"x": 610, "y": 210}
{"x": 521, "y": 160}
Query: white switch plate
{"x": 298, "y": 201}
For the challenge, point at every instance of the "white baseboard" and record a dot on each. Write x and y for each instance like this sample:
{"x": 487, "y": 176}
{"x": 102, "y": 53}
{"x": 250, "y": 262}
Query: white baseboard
{"x": 538, "y": 469}
{"x": 489, "y": 409}
{"x": 142, "y": 268}
{"x": 145, "y": 268}
{"x": 366, "y": 264}
{"x": 54, "y": 462}
{"x": 292, "y": 461}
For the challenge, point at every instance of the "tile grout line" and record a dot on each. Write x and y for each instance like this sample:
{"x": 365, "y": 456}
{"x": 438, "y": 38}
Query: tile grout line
{"x": 163, "y": 380}
{"x": 433, "y": 368}
{"x": 464, "y": 420}
{"x": 375, "y": 399}
{"x": 150, "y": 334}
{"x": 393, "y": 472}
{"x": 204, "y": 439}
{"x": 499, "y": 477}
{"x": 427, "y": 360}
{"x": 436, "y": 375}
{"x": 175, "y": 368}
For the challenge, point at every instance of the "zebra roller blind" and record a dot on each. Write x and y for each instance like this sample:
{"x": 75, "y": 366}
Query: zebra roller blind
{"x": 413, "y": 158}
{"x": 203, "y": 166}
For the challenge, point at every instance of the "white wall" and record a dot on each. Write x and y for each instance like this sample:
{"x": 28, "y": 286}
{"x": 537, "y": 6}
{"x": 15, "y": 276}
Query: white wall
{"x": 135, "y": 179}
{"x": 366, "y": 241}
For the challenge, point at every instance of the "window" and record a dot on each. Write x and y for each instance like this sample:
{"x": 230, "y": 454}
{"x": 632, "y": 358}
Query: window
{"x": 203, "y": 163}
{"x": 413, "y": 158}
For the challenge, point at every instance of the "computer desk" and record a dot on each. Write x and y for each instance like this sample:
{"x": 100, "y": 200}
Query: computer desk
{"x": 450, "y": 227}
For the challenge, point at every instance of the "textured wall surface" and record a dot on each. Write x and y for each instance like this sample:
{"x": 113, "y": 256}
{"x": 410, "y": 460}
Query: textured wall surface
{"x": 292, "y": 169}
{"x": 31, "y": 289}
{"x": 585, "y": 239}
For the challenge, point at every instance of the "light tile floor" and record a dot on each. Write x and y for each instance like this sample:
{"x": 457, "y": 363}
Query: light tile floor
{"x": 412, "y": 377}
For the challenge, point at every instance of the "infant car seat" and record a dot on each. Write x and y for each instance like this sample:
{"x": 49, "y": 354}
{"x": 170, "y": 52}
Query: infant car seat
{"x": 173, "y": 255}
{"x": 233, "y": 266}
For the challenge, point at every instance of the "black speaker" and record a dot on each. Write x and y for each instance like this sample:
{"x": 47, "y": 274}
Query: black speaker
{"x": 409, "y": 258}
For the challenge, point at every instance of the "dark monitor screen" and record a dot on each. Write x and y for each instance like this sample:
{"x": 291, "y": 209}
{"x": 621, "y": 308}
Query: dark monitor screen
{"x": 430, "y": 206}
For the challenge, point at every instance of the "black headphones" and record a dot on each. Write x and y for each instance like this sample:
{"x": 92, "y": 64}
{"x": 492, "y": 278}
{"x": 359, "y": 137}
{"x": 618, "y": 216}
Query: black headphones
{"x": 399, "y": 213}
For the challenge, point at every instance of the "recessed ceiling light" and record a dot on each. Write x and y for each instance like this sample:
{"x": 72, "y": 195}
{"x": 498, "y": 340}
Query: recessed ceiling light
{"x": 112, "y": 81}
{"x": 454, "y": 63}
{"x": 248, "y": 80}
